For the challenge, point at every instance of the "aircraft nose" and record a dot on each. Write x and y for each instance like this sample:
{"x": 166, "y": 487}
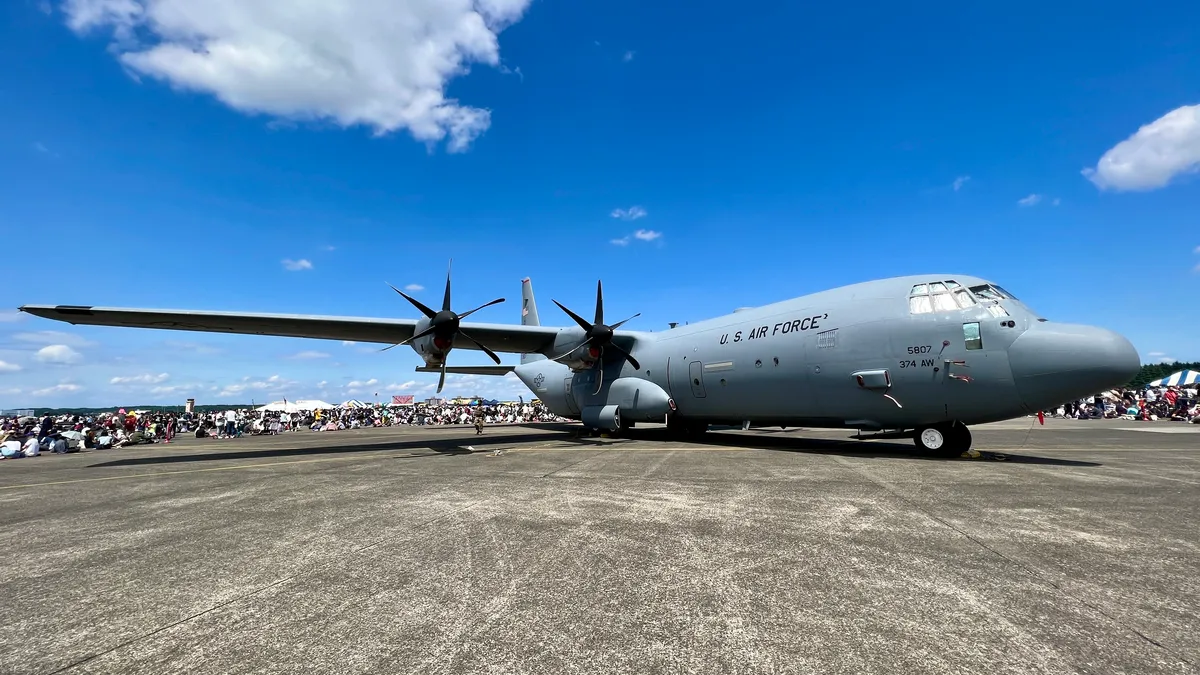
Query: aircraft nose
{"x": 1056, "y": 363}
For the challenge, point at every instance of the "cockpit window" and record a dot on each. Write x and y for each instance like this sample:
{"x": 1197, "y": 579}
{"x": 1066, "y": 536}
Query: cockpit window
{"x": 938, "y": 296}
{"x": 1004, "y": 291}
{"x": 987, "y": 292}
{"x": 992, "y": 292}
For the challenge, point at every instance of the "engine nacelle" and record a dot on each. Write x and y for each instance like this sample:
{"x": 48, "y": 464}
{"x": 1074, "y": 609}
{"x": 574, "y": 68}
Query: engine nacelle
{"x": 602, "y": 417}
{"x": 639, "y": 400}
{"x": 581, "y": 358}
{"x": 629, "y": 398}
{"x": 433, "y": 349}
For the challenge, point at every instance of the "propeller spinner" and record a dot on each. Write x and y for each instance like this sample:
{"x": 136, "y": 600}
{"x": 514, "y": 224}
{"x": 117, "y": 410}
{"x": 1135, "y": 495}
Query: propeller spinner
{"x": 444, "y": 325}
{"x": 598, "y": 336}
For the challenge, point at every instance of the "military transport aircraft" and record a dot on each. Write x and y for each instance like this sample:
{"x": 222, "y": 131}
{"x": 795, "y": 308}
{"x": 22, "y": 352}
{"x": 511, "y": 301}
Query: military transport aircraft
{"x": 919, "y": 356}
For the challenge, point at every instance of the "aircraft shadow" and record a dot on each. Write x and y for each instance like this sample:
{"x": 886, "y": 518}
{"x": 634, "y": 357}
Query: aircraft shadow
{"x": 438, "y": 447}
{"x": 846, "y": 447}
{"x": 453, "y": 445}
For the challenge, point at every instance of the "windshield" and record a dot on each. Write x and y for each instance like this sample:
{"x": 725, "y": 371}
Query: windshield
{"x": 990, "y": 292}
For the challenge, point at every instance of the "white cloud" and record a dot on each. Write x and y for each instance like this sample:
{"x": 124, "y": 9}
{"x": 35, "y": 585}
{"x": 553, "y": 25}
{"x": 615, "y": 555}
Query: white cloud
{"x": 141, "y": 379}
{"x": 272, "y": 386}
{"x": 631, "y": 213}
{"x": 348, "y": 343}
{"x": 628, "y": 56}
{"x": 44, "y": 7}
{"x": 330, "y": 248}
{"x": 12, "y": 317}
{"x": 309, "y": 354}
{"x": 1056, "y": 202}
{"x": 414, "y": 287}
{"x": 64, "y": 388}
{"x": 193, "y": 347}
{"x": 53, "y": 337}
{"x": 1030, "y": 200}
{"x": 640, "y": 235}
{"x": 6, "y": 367}
{"x": 174, "y": 389}
{"x": 1158, "y": 152}
{"x": 296, "y": 265}
{"x": 356, "y": 384}
{"x": 61, "y": 354}
{"x": 960, "y": 182}
{"x": 379, "y": 63}
{"x": 402, "y": 387}
{"x": 321, "y": 384}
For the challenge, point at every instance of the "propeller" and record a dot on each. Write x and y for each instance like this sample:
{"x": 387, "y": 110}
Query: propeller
{"x": 444, "y": 325}
{"x": 598, "y": 336}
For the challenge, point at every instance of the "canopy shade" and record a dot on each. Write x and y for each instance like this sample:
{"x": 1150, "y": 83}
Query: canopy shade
{"x": 1181, "y": 378}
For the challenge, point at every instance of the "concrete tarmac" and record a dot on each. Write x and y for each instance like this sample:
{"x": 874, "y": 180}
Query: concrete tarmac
{"x": 1072, "y": 547}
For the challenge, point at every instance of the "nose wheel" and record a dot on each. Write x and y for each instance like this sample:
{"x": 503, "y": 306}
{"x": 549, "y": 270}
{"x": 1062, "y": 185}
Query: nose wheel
{"x": 943, "y": 440}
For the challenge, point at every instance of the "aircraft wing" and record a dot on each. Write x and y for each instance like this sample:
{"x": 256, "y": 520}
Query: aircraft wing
{"x": 499, "y": 337}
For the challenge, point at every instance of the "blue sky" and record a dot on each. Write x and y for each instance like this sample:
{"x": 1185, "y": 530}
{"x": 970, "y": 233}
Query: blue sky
{"x": 763, "y": 152}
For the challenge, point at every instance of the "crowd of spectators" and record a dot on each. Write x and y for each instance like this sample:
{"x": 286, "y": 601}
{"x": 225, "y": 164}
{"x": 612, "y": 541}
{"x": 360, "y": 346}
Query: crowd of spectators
{"x": 1179, "y": 404}
{"x": 31, "y": 436}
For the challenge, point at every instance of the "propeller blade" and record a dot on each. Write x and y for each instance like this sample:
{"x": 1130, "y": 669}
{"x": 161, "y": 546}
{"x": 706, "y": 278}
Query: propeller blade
{"x": 621, "y": 323}
{"x": 628, "y": 357}
{"x": 418, "y": 336}
{"x": 599, "y": 378}
{"x": 442, "y": 379}
{"x": 578, "y": 319}
{"x": 429, "y": 313}
{"x": 477, "y": 343}
{"x": 446, "y": 299}
{"x": 387, "y": 348}
{"x": 466, "y": 314}
{"x": 599, "y": 302}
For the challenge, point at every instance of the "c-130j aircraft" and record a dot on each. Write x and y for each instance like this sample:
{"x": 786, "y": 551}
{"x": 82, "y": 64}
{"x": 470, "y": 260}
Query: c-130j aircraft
{"x": 922, "y": 356}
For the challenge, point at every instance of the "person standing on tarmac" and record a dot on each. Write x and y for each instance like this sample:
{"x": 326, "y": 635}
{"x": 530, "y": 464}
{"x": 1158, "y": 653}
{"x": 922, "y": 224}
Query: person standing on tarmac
{"x": 479, "y": 423}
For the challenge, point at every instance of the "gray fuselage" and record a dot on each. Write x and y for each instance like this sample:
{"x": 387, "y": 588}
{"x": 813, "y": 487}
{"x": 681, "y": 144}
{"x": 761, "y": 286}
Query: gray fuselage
{"x": 858, "y": 357}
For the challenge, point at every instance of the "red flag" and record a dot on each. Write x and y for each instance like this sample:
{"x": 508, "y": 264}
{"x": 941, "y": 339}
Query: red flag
{"x": 1041, "y": 418}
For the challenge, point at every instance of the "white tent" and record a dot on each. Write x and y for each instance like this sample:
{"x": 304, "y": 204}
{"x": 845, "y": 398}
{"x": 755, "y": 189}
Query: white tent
{"x": 279, "y": 406}
{"x": 296, "y": 406}
{"x": 354, "y": 403}
{"x": 314, "y": 404}
{"x": 1183, "y": 377}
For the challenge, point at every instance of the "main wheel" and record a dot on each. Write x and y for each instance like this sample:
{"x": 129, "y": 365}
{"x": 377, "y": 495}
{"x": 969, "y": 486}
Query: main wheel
{"x": 944, "y": 440}
{"x": 931, "y": 439}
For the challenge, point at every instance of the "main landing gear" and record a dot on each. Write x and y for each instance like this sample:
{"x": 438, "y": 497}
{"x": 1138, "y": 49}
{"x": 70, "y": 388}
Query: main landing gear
{"x": 685, "y": 429}
{"x": 945, "y": 440}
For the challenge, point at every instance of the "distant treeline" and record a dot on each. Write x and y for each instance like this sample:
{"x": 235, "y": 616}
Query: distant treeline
{"x": 1153, "y": 372}
{"x": 151, "y": 408}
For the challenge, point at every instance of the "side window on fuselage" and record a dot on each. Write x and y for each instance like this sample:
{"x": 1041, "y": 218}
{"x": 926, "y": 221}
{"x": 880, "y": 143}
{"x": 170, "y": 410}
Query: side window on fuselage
{"x": 971, "y": 336}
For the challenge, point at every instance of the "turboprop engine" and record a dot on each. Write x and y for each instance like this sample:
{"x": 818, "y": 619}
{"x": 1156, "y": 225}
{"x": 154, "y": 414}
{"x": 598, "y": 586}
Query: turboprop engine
{"x": 435, "y": 334}
{"x": 597, "y": 338}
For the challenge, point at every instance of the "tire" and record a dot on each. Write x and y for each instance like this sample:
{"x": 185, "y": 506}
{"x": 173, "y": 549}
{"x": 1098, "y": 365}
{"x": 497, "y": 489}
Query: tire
{"x": 931, "y": 439}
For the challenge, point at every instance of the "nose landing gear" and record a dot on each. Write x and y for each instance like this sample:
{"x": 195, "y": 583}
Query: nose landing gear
{"x": 944, "y": 440}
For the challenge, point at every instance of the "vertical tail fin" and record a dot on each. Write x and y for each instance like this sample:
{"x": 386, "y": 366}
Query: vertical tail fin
{"x": 529, "y": 315}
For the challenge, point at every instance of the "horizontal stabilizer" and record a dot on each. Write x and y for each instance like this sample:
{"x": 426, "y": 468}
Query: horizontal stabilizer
{"x": 468, "y": 370}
